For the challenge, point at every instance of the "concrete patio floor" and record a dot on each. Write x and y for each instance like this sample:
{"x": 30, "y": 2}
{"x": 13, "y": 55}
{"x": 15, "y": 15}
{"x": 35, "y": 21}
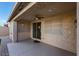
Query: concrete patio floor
{"x": 29, "y": 48}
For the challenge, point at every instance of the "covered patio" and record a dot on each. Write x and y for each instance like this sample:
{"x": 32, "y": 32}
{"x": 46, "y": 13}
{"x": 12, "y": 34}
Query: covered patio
{"x": 53, "y": 24}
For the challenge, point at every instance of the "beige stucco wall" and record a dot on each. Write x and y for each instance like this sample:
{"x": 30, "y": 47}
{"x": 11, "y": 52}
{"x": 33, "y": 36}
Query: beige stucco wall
{"x": 19, "y": 30}
{"x": 13, "y": 30}
{"x": 78, "y": 28}
{"x": 24, "y": 30}
{"x": 60, "y": 31}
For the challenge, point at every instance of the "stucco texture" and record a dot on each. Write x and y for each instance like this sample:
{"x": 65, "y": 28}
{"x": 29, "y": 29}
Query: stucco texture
{"x": 60, "y": 31}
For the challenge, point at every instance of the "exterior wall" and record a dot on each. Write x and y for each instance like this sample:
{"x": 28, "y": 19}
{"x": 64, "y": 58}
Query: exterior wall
{"x": 24, "y": 30}
{"x": 10, "y": 29}
{"x": 60, "y": 31}
{"x": 78, "y": 28}
{"x": 13, "y": 30}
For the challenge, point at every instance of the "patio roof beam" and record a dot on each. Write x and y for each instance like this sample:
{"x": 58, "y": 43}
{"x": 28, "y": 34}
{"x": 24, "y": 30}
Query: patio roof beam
{"x": 25, "y": 9}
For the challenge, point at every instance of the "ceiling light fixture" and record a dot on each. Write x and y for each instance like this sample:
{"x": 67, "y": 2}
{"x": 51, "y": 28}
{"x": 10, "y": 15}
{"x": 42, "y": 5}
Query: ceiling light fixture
{"x": 51, "y": 10}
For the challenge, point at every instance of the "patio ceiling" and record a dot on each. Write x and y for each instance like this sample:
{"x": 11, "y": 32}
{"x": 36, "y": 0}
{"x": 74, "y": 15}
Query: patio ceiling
{"x": 47, "y": 9}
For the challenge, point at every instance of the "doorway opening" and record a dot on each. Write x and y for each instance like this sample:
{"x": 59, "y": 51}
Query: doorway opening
{"x": 37, "y": 30}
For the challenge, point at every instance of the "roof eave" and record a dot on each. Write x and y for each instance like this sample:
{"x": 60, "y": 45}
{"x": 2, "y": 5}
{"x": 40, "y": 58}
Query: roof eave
{"x": 14, "y": 7}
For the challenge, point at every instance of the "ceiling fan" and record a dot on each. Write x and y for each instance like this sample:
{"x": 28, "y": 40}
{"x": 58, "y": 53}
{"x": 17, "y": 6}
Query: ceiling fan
{"x": 37, "y": 17}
